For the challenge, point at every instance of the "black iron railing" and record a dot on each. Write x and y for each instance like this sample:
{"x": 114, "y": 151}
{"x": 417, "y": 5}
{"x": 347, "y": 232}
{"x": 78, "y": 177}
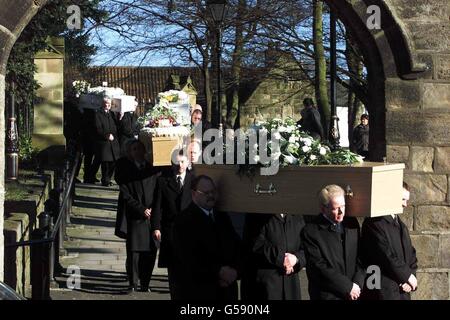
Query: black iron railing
{"x": 47, "y": 240}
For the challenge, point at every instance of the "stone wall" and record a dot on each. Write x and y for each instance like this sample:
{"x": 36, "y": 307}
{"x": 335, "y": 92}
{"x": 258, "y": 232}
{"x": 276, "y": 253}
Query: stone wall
{"x": 418, "y": 134}
{"x": 275, "y": 98}
{"x": 48, "y": 111}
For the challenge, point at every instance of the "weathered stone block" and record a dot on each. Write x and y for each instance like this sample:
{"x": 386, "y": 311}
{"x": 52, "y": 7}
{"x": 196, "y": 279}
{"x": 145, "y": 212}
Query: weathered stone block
{"x": 436, "y": 96}
{"x": 13, "y": 11}
{"x": 428, "y": 60}
{"x": 433, "y": 218}
{"x": 430, "y": 36}
{"x": 425, "y": 10}
{"x": 408, "y": 217}
{"x": 6, "y": 45}
{"x": 417, "y": 127}
{"x": 402, "y": 95}
{"x": 442, "y": 67}
{"x": 427, "y": 188}
{"x": 427, "y": 249}
{"x": 431, "y": 286}
{"x": 442, "y": 159}
{"x": 422, "y": 159}
{"x": 398, "y": 154}
{"x": 444, "y": 249}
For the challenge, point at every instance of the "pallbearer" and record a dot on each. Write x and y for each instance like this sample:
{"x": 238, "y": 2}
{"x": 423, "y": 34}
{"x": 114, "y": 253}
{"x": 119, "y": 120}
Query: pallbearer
{"x": 331, "y": 244}
{"x": 387, "y": 245}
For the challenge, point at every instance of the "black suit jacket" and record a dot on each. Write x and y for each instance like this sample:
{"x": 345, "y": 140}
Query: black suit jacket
{"x": 137, "y": 196}
{"x": 202, "y": 247}
{"x": 128, "y": 127}
{"x": 105, "y": 124}
{"x": 169, "y": 203}
{"x": 387, "y": 244}
{"x": 332, "y": 267}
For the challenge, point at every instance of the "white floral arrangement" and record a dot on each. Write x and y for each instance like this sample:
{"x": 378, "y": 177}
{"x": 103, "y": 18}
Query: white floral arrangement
{"x": 173, "y": 96}
{"x": 80, "y": 87}
{"x": 297, "y": 148}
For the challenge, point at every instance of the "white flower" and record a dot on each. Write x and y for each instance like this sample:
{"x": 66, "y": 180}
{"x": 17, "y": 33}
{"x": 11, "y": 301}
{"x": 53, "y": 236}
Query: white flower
{"x": 313, "y": 157}
{"x": 306, "y": 149}
{"x": 277, "y": 135}
{"x": 307, "y": 142}
{"x": 290, "y": 129}
{"x": 293, "y": 139}
{"x": 360, "y": 159}
{"x": 323, "y": 151}
{"x": 282, "y": 129}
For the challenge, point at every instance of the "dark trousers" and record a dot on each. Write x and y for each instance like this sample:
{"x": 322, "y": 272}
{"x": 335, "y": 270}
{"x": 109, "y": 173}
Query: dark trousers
{"x": 143, "y": 263}
{"x": 107, "y": 171}
{"x": 91, "y": 166}
{"x": 173, "y": 283}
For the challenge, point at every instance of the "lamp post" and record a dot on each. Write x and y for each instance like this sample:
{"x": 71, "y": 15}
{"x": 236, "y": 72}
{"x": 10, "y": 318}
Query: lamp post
{"x": 333, "y": 135}
{"x": 12, "y": 140}
{"x": 217, "y": 10}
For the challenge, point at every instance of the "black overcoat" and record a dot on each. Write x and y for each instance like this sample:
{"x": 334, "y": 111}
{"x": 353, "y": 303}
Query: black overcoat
{"x": 202, "y": 247}
{"x": 332, "y": 261}
{"x": 277, "y": 237}
{"x": 387, "y": 244}
{"x": 138, "y": 196}
{"x": 105, "y": 123}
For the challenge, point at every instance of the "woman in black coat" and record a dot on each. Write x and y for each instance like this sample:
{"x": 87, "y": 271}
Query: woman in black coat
{"x": 276, "y": 278}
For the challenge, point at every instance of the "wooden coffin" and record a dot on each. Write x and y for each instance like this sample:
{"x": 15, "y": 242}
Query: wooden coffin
{"x": 161, "y": 143}
{"x": 376, "y": 187}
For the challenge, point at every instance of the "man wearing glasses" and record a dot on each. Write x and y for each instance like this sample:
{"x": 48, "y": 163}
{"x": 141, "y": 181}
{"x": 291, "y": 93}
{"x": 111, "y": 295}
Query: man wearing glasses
{"x": 207, "y": 248}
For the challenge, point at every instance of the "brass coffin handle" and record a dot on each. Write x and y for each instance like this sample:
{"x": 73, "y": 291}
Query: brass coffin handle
{"x": 272, "y": 190}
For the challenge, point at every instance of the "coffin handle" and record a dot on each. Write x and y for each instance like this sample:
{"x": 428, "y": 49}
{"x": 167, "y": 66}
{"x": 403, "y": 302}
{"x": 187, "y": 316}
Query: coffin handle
{"x": 272, "y": 190}
{"x": 348, "y": 191}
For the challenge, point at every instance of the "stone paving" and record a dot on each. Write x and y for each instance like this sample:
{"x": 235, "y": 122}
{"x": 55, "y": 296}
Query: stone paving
{"x": 100, "y": 255}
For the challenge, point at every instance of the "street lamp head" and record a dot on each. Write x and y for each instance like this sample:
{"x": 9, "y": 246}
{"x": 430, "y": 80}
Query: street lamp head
{"x": 217, "y": 9}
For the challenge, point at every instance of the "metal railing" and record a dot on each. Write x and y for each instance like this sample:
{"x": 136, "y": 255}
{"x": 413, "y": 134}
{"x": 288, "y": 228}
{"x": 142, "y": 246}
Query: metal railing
{"x": 47, "y": 240}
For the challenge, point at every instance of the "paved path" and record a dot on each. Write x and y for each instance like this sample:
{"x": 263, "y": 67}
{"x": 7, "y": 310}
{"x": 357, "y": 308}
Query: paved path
{"x": 100, "y": 255}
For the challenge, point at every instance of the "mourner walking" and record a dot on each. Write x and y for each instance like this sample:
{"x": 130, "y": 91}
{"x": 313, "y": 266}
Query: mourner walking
{"x": 108, "y": 148}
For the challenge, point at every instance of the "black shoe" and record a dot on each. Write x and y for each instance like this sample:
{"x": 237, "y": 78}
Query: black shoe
{"x": 88, "y": 181}
{"x": 133, "y": 289}
{"x": 107, "y": 184}
{"x": 145, "y": 289}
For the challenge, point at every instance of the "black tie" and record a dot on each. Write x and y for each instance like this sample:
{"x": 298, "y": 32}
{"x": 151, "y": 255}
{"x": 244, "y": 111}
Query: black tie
{"x": 180, "y": 185}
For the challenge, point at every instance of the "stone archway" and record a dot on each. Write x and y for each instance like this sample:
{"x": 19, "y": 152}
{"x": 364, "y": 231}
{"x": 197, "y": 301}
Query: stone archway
{"x": 408, "y": 62}
{"x": 14, "y": 16}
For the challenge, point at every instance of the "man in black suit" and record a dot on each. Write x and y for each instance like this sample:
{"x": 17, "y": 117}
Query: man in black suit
{"x": 386, "y": 243}
{"x": 138, "y": 200}
{"x": 174, "y": 196}
{"x": 108, "y": 148}
{"x": 331, "y": 247}
{"x": 207, "y": 249}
